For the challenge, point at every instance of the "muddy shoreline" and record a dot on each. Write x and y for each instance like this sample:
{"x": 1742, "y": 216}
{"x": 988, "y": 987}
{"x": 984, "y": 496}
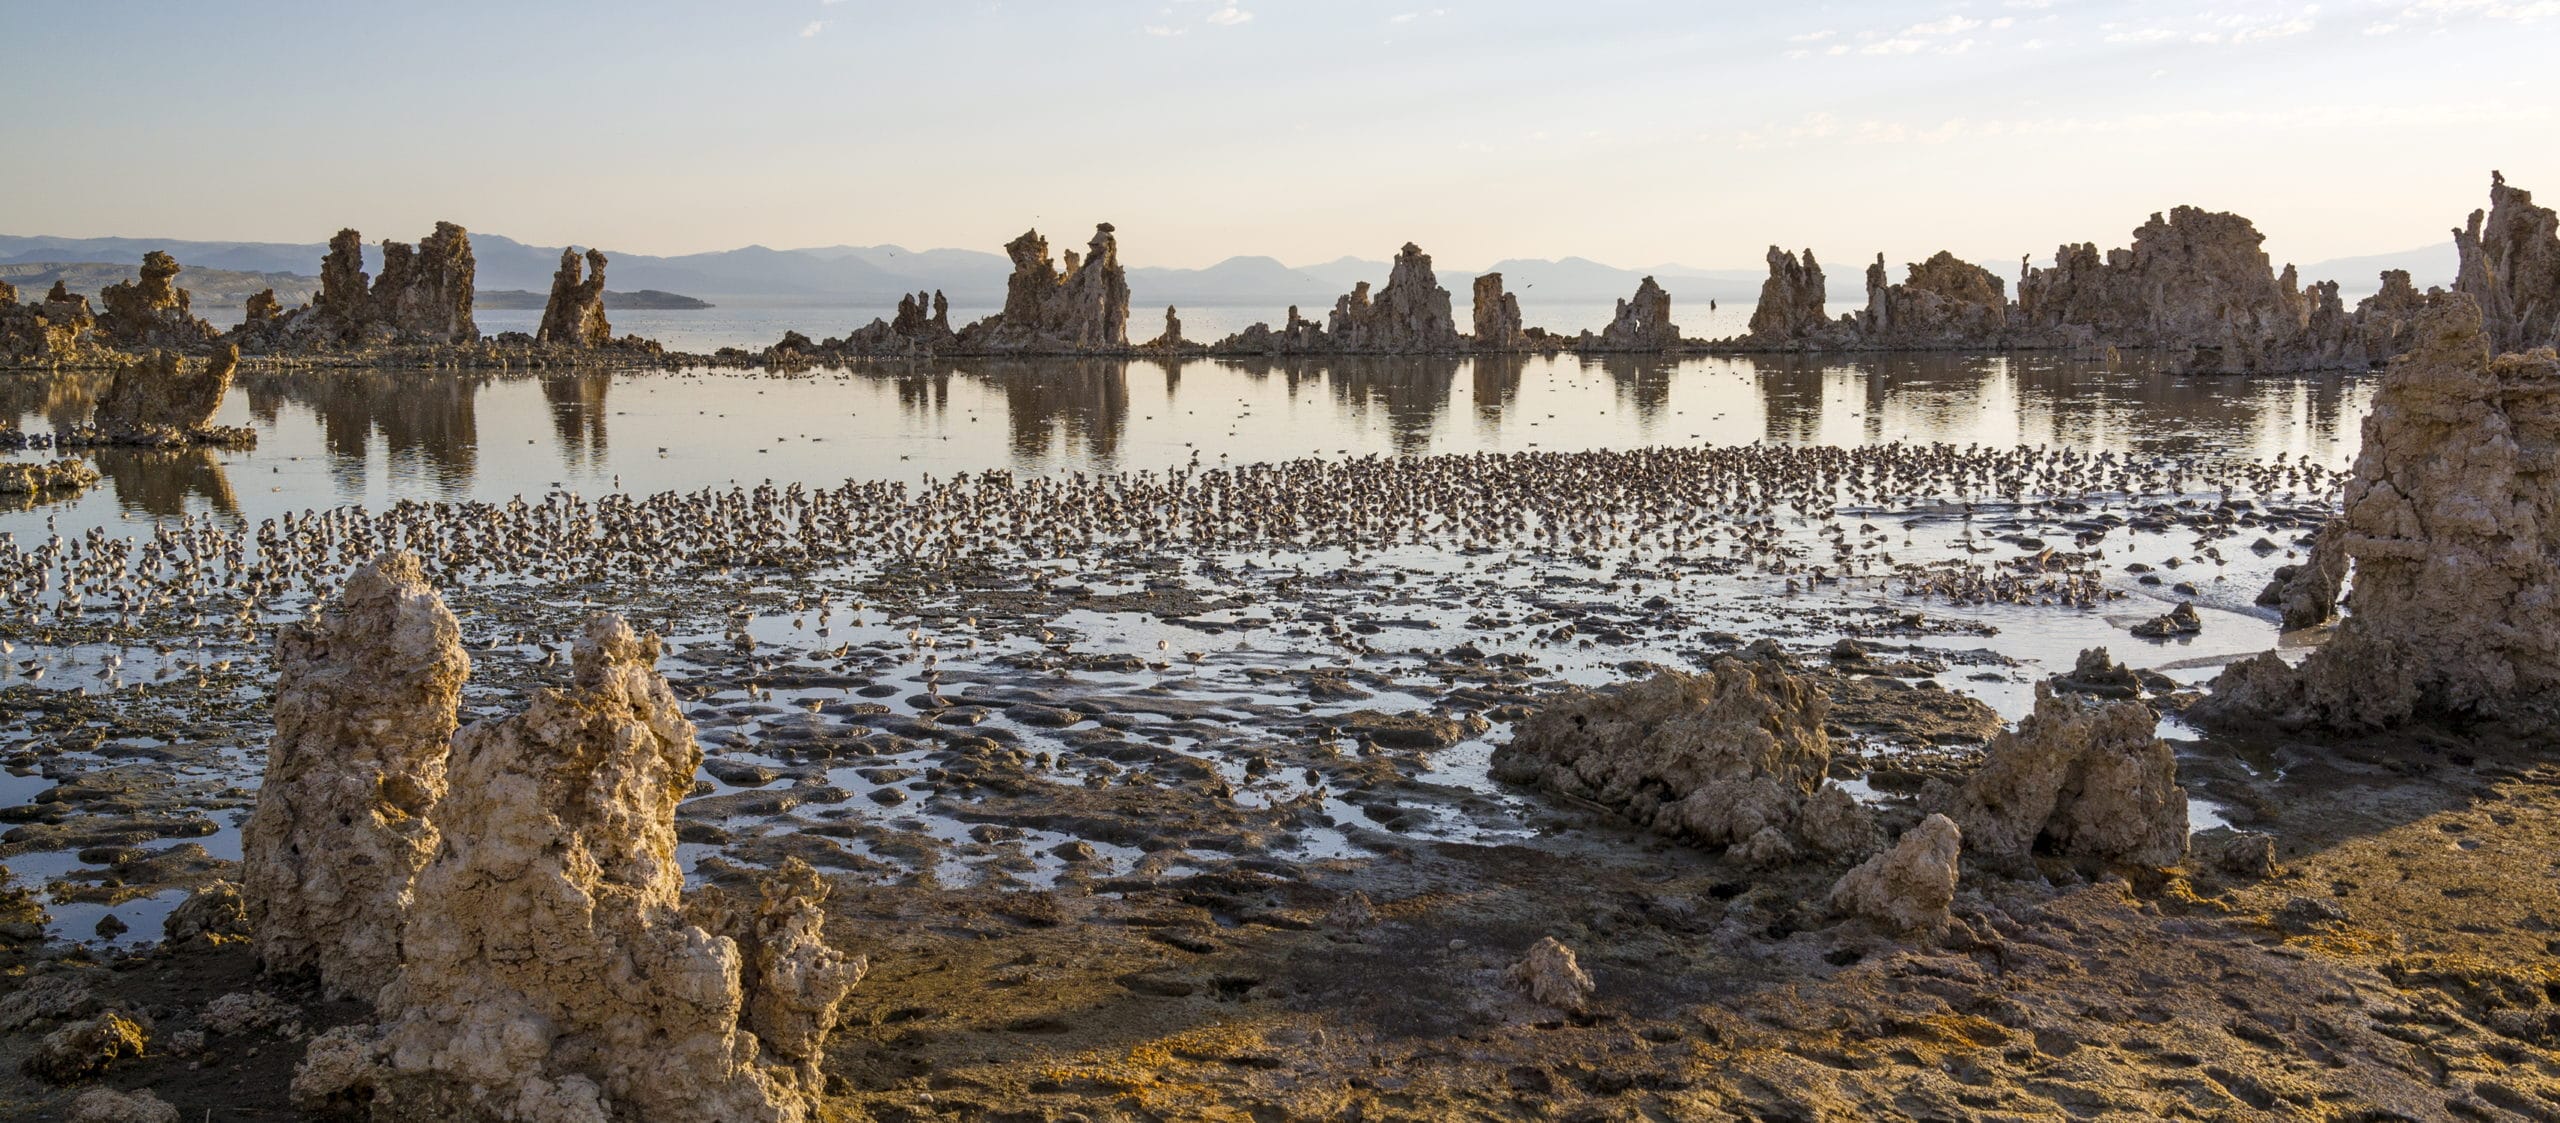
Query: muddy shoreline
{"x": 1201, "y": 829}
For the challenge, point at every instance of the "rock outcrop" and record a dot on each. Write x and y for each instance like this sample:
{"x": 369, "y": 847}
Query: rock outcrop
{"x": 1791, "y": 301}
{"x": 1942, "y": 302}
{"x": 1171, "y": 339}
{"x": 364, "y": 710}
{"x": 922, "y": 327}
{"x": 164, "y": 399}
{"x": 344, "y": 303}
{"x": 2386, "y": 323}
{"x": 2305, "y": 594}
{"x": 1410, "y": 315}
{"x": 423, "y": 296}
{"x": 1497, "y": 316}
{"x": 425, "y": 290}
{"x": 1083, "y": 307}
{"x": 1910, "y": 888}
{"x": 574, "y": 315}
{"x": 2511, "y": 268}
{"x": 2081, "y": 776}
{"x": 107, "y": 1105}
{"x": 46, "y": 478}
{"x": 56, "y": 329}
{"x": 2451, "y": 531}
{"x": 1551, "y": 975}
{"x": 151, "y": 310}
{"x": 1641, "y": 324}
{"x": 2196, "y": 282}
{"x": 553, "y": 969}
{"x": 1732, "y": 757}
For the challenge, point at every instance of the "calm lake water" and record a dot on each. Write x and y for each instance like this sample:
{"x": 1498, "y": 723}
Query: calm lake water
{"x": 373, "y": 437}
{"x": 754, "y": 324}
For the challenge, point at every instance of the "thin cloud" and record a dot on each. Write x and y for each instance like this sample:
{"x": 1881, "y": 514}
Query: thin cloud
{"x": 1230, "y": 16}
{"x": 811, "y": 30}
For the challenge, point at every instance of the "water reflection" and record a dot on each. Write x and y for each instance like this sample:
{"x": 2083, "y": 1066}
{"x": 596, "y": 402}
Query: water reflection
{"x": 2130, "y": 406}
{"x": 426, "y": 420}
{"x": 162, "y": 481}
{"x": 374, "y": 437}
{"x": 577, "y": 414}
{"x": 1074, "y": 411}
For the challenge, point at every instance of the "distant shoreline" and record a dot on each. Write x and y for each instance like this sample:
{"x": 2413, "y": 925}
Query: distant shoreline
{"x": 644, "y": 300}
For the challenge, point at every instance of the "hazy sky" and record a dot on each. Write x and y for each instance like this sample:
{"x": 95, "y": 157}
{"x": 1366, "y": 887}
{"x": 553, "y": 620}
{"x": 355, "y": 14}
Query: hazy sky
{"x": 1635, "y": 132}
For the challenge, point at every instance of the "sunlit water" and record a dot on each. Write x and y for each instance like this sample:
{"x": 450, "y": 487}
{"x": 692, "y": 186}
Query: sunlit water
{"x": 373, "y": 437}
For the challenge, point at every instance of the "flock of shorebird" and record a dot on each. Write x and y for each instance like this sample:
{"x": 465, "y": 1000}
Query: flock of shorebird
{"x": 1774, "y": 509}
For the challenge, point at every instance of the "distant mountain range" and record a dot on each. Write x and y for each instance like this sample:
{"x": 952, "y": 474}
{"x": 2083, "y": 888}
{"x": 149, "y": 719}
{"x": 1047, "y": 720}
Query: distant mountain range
{"x": 878, "y": 275}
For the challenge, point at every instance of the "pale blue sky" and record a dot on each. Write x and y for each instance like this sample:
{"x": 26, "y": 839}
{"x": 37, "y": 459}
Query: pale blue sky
{"x": 1631, "y": 131}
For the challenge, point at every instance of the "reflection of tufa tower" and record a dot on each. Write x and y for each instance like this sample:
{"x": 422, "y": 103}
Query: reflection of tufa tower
{"x": 160, "y": 481}
{"x": 1077, "y": 402}
{"x": 425, "y": 419}
{"x": 577, "y": 414}
{"x": 1413, "y": 390}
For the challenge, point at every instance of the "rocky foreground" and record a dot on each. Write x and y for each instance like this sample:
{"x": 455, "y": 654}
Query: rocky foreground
{"x": 2195, "y": 286}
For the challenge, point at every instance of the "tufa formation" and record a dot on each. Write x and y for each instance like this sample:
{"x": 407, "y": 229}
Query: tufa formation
{"x": 574, "y": 314}
{"x": 151, "y": 310}
{"x": 1733, "y": 757}
{"x": 364, "y": 710}
{"x": 2511, "y": 268}
{"x": 2081, "y": 776}
{"x": 552, "y": 967}
{"x": 2451, "y": 530}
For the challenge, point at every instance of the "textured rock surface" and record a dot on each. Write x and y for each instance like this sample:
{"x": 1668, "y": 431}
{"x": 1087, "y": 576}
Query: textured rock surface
{"x": 213, "y": 915}
{"x": 2511, "y": 268}
{"x": 574, "y": 315}
{"x": 2451, "y": 530}
{"x": 1910, "y": 887}
{"x": 344, "y": 303}
{"x": 1641, "y": 324}
{"x": 425, "y": 290}
{"x": 165, "y": 394}
{"x": 922, "y": 326}
{"x": 151, "y": 310}
{"x": 45, "y": 477}
{"x": 1791, "y": 300}
{"x": 1047, "y": 309}
{"x": 1944, "y": 301}
{"x": 2081, "y": 776}
{"x": 1551, "y": 976}
{"x": 2306, "y": 594}
{"x": 364, "y": 707}
{"x": 86, "y": 1048}
{"x": 1715, "y": 758}
{"x": 58, "y": 328}
{"x": 262, "y": 313}
{"x": 1411, "y": 314}
{"x": 2196, "y": 281}
{"x": 2386, "y": 323}
{"x": 106, "y": 1105}
{"x": 553, "y": 972}
{"x": 423, "y": 296}
{"x": 1497, "y": 316}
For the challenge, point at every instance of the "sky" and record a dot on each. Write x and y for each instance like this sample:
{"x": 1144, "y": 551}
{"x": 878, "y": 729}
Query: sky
{"x": 1633, "y": 132}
